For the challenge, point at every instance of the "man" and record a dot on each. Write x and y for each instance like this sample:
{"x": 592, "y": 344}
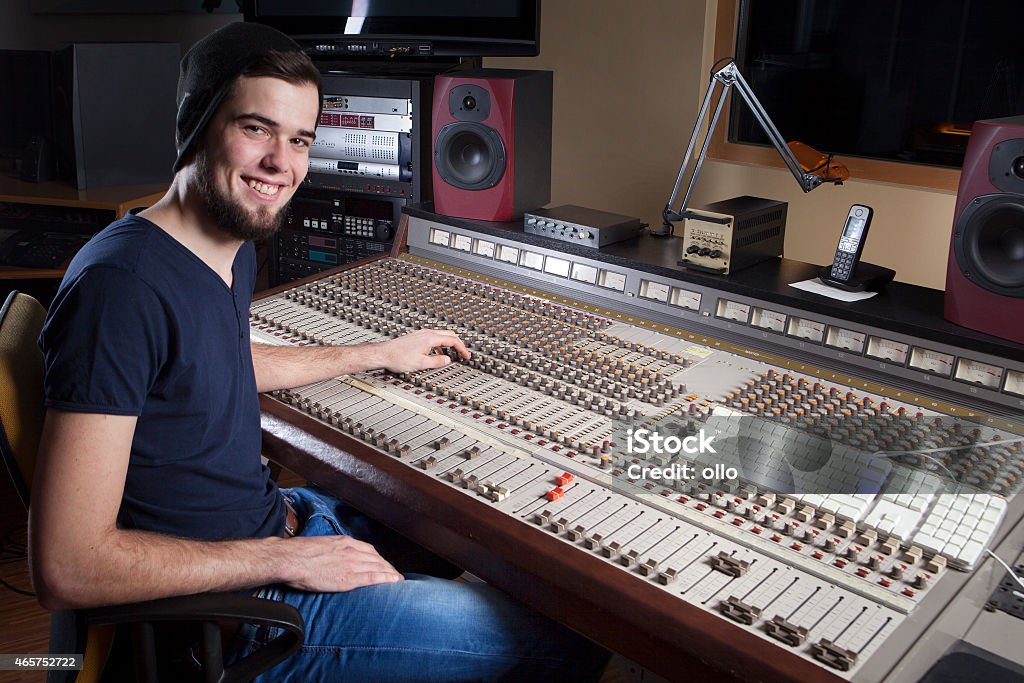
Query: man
{"x": 149, "y": 482}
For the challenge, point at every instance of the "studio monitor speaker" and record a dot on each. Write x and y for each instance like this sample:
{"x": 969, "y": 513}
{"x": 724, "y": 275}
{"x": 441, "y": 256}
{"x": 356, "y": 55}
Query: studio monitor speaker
{"x": 491, "y": 143}
{"x": 114, "y": 110}
{"x": 985, "y": 275}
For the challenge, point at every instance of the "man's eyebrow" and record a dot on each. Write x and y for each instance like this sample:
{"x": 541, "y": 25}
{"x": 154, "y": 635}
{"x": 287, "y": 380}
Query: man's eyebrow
{"x": 273, "y": 124}
{"x": 259, "y": 117}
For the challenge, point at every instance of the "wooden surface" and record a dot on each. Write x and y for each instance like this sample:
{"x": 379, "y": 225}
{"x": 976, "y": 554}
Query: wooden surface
{"x": 57, "y": 193}
{"x": 15, "y": 273}
{"x": 24, "y": 625}
{"x": 119, "y": 200}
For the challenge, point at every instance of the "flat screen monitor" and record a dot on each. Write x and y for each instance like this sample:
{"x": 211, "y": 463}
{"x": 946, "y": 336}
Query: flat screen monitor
{"x": 405, "y": 28}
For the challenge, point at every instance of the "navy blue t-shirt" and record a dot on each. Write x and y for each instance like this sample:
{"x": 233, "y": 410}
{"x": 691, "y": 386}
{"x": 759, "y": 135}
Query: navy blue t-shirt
{"x": 141, "y": 326}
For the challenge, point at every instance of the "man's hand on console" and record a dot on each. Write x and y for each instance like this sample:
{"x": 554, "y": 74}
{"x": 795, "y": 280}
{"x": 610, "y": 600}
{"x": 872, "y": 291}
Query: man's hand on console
{"x": 420, "y": 350}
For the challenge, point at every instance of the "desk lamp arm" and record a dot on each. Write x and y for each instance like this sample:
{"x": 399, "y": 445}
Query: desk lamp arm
{"x": 727, "y": 77}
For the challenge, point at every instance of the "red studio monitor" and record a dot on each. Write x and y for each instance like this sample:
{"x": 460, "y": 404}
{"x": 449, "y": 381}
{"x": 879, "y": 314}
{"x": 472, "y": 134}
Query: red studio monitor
{"x": 492, "y": 143}
{"x": 985, "y": 275}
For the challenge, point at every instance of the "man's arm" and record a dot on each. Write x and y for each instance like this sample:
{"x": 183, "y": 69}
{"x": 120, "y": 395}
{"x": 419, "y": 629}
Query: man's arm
{"x": 284, "y": 367}
{"x": 80, "y": 558}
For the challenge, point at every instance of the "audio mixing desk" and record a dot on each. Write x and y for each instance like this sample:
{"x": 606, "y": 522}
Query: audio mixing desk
{"x": 868, "y": 457}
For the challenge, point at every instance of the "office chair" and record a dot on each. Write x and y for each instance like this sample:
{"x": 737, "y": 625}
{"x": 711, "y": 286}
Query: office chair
{"x": 92, "y": 631}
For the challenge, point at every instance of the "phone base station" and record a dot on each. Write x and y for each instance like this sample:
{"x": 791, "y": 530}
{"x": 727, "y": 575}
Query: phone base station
{"x": 867, "y": 277}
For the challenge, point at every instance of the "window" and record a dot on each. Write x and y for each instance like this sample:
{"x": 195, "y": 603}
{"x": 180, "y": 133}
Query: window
{"x": 890, "y": 87}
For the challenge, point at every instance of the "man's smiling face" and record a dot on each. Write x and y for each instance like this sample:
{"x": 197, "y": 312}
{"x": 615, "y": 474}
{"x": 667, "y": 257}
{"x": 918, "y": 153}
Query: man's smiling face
{"x": 255, "y": 153}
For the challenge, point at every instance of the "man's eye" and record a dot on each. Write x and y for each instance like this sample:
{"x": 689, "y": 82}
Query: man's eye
{"x": 301, "y": 143}
{"x": 258, "y": 130}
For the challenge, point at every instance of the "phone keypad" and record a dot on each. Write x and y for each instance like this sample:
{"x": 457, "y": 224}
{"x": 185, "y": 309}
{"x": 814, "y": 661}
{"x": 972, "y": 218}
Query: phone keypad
{"x": 843, "y": 265}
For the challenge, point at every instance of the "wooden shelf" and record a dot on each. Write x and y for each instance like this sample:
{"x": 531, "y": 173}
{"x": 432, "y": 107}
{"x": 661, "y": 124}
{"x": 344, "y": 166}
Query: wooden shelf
{"x": 57, "y": 193}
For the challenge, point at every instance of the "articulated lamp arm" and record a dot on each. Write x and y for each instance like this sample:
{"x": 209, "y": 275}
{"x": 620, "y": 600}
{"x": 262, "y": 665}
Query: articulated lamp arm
{"x": 727, "y": 77}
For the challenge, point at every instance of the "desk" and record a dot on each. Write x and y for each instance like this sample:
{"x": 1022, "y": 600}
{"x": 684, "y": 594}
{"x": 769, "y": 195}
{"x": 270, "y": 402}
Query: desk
{"x": 104, "y": 204}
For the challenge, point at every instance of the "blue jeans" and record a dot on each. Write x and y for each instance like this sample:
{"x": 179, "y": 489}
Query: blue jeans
{"x": 420, "y": 629}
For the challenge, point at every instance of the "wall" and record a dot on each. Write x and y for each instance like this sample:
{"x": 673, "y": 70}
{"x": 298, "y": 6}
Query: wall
{"x": 626, "y": 84}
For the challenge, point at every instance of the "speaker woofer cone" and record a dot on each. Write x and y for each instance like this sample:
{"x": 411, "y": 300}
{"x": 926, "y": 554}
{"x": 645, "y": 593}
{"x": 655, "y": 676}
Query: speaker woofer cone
{"x": 469, "y": 156}
{"x": 988, "y": 243}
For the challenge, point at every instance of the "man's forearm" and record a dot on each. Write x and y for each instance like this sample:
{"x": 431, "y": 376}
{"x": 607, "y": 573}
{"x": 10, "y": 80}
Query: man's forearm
{"x": 284, "y": 367}
{"x": 131, "y": 566}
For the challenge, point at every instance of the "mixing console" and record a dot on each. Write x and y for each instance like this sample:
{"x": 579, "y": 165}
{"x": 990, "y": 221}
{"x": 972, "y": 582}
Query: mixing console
{"x": 847, "y": 510}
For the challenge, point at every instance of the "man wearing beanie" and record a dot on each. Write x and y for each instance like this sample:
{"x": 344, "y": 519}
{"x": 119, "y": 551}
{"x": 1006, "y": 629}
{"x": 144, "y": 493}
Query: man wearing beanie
{"x": 149, "y": 481}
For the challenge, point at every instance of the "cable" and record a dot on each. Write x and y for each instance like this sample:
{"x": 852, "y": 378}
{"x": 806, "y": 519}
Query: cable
{"x": 925, "y": 453}
{"x": 1011, "y": 570}
{"x": 825, "y": 164}
{"x": 14, "y": 550}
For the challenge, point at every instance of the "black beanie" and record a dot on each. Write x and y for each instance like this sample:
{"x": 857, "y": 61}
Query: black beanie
{"x": 209, "y": 69}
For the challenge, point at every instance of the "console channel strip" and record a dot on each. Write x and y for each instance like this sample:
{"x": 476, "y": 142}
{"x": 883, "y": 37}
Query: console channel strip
{"x": 533, "y": 423}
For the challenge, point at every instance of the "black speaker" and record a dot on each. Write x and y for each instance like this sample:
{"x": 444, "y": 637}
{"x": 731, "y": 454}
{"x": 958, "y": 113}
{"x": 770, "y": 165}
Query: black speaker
{"x": 26, "y": 87}
{"x": 36, "y": 163}
{"x": 114, "y": 113}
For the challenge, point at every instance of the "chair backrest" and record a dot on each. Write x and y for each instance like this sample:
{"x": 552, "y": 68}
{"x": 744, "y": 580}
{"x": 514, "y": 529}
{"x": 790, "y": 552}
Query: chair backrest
{"x": 21, "y": 387}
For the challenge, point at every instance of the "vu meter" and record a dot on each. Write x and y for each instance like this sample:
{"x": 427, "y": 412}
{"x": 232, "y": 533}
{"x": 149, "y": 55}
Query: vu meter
{"x": 654, "y": 290}
{"x": 1014, "y": 383}
{"x": 685, "y": 299}
{"x": 887, "y": 349}
{"x": 931, "y": 361}
{"x": 811, "y": 330}
{"x": 768, "y": 319}
{"x": 976, "y": 372}
{"x": 845, "y": 339}
{"x": 484, "y": 248}
{"x": 732, "y": 310}
{"x": 508, "y": 254}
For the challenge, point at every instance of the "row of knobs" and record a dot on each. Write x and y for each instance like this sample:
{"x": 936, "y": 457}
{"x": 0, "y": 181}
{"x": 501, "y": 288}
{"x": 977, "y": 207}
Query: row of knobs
{"x": 703, "y": 251}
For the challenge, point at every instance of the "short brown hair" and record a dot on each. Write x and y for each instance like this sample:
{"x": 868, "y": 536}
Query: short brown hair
{"x": 290, "y": 66}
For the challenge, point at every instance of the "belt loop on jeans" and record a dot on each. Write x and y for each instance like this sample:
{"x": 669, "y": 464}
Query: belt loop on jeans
{"x": 291, "y": 520}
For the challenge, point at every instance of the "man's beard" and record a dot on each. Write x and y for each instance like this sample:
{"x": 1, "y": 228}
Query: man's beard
{"x": 230, "y": 216}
